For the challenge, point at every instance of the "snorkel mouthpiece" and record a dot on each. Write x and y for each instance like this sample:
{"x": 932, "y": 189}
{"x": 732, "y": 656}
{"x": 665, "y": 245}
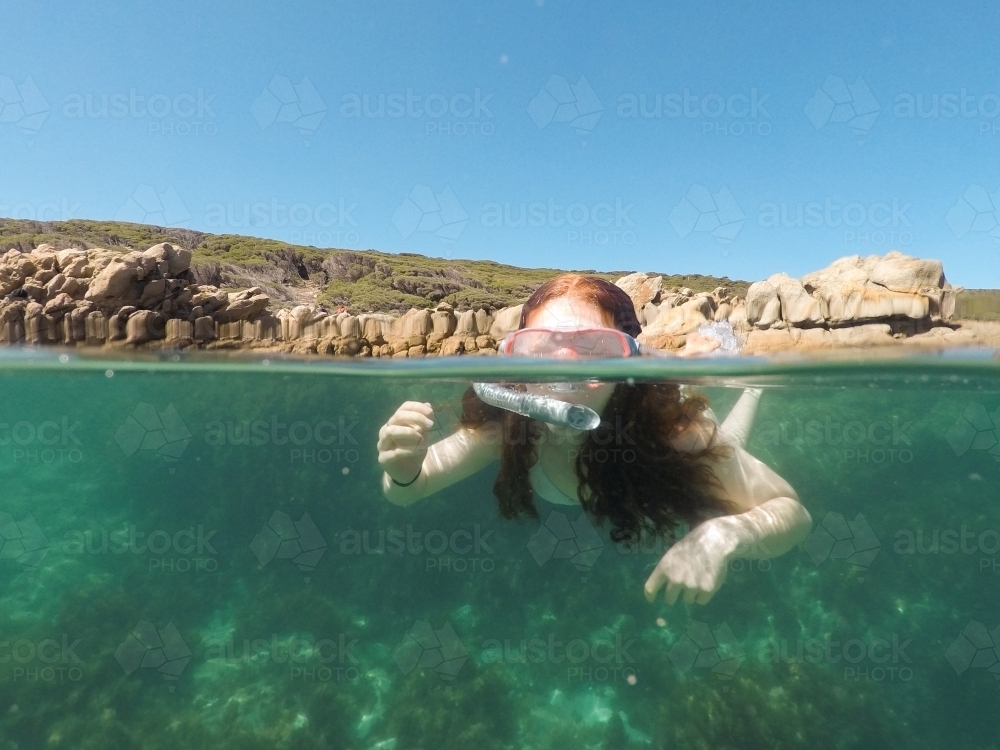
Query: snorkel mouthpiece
{"x": 544, "y": 409}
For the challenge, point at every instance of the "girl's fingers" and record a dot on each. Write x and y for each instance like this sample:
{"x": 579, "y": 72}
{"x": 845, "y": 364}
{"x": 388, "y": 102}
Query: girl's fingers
{"x": 391, "y": 436}
{"x": 674, "y": 590}
{"x": 704, "y": 597}
{"x": 411, "y": 418}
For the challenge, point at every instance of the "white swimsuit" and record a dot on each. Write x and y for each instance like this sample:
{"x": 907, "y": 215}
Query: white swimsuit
{"x": 545, "y": 488}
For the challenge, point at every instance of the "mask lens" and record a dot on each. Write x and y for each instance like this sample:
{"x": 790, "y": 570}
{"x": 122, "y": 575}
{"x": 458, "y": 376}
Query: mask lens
{"x": 590, "y": 343}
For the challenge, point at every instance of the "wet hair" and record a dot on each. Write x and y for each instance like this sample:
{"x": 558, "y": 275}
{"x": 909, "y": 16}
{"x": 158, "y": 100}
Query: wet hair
{"x": 637, "y": 480}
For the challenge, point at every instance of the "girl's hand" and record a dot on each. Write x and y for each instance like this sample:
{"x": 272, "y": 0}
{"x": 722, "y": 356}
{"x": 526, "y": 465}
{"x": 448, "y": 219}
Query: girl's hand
{"x": 402, "y": 441}
{"x": 695, "y": 566}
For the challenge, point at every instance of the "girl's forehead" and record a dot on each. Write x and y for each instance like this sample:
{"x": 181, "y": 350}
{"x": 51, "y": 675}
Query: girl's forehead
{"x": 568, "y": 312}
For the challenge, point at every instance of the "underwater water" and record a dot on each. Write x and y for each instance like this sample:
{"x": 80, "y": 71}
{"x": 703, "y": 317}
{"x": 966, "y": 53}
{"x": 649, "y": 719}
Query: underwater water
{"x": 197, "y": 554}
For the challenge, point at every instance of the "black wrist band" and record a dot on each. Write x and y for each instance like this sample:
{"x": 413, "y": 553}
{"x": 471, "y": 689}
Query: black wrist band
{"x": 407, "y": 484}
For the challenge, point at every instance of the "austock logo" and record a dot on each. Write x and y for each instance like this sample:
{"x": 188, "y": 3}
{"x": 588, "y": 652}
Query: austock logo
{"x": 423, "y": 210}
{"x": 297, "y": 104}
{"x": 700, "y": 210}
{"x": 837, "y": 538}
{"x": 163, "y": 432}
{"x": 22, "y": 541}
{"x": 976, "y": 648}
{"x": 701, "y": 647}
{"x": 284, "y": 539}
{"x": 424, "y": 647}
{"x": 976, "y": 211}
{"x": 850, "y": 103}
{"x": 561, "y": 539}
{"x": 22, "y": 105}
{"x": 574, "y": 104}
{"x": 975, "y": 429}
{"x": 147, "y": 647}
{"x": 148, "y": 206}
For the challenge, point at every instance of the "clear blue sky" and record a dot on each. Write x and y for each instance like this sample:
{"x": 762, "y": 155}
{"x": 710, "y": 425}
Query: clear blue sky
{"x": 722, "y": 138}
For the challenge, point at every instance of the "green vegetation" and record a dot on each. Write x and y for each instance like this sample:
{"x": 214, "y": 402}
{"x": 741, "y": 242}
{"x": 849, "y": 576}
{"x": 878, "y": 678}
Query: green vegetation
{"x": 978, "y": 304}
{"x": 364, "y": 280}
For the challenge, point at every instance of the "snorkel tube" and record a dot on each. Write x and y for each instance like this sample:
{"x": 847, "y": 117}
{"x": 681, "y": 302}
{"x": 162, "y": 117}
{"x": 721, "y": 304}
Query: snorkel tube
{"x": 544, "y": 409}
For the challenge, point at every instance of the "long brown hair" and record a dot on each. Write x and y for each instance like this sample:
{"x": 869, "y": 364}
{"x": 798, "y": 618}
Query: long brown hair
{"x": 636, "y": 479}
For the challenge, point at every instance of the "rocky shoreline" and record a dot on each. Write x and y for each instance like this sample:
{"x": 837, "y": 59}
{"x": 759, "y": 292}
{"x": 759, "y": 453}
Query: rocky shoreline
{"x": 151, "y": 299}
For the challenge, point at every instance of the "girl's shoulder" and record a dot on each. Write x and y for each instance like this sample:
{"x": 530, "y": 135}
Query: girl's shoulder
{"x": 694, "y": 434}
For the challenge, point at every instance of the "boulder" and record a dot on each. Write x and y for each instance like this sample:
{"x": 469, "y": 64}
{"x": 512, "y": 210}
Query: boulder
{"x": 33, "y": 289}
{"x": 178, "y": 258}
{"x": 738, "y": 317}
{"x": 642, "y": 288}
{"x": 96, "y": 328}
{"x": 852, "y": 289}
{"x": 648, "y": 314}
{"x": 443, "y": 323}
{"x": 466, "y": 324}
{"x": 74, "y": 264}
{"x": 115, "y": 283}
{"x": 152, "y": 293}
{"x": 412, "y": 322}
{"x": 242, "y": 308}
{"x": 901, "y": 273}
{"x": 145, "y": 325}
{"x": 179, "y": 332}
{"x": 677, "y": 322}
{"x": 59, "y": 304}
{"x": 15, "y": 268}
{"x": 505, "y": 320}
{"x": 763, "y": 305}
{"x": 204, "y": 329}
{"x": 209, "y": 298}
{"x": 350, "y": 328}
{"x": 798, "y": 307}
{"x": 483, "y": 321}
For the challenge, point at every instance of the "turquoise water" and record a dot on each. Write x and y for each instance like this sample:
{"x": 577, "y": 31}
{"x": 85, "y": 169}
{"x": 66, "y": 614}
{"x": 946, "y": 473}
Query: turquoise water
{"x": 168, "y": 579}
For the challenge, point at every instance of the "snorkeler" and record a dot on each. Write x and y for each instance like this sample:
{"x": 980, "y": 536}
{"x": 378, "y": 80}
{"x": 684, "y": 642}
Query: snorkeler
{"x": 681, "y": 466}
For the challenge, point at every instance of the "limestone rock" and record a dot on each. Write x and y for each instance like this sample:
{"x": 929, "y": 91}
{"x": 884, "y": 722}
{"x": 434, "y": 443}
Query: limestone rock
{"x": 798, "y": 307}
{"x": 59, "y": 304}
{"x": 412, "y": 322}
{"x": 179, "y": 332}
{"x": 96, "y": 328}
{"x": 677, "y": 322}
{"x": 145, "y": 325}
{"x": 763, "y": 304}
{"x": 242, "y": 308}
{"x": 505, "y": 320}
{"x": 466, "y": 324}
{"x": 15, "y": 267}
{"x": 178, "y": 258}
{"x": 483, "y": 321}
{"x": 115, "y": 283}
{"x": 204, "y": 329}
{"x": 443, "y": 322}
{"x": 901, "y": 273}
{"x": 642, "y": 288}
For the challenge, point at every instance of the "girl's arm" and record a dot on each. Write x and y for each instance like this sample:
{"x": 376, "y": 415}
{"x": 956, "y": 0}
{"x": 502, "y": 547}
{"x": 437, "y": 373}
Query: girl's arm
{"x": 768, "y": 520}
{"x": 404, "y": 454}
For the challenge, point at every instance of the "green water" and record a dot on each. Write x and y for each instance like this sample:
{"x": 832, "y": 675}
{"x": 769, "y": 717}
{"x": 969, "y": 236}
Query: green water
{"x": 145, "y": 601}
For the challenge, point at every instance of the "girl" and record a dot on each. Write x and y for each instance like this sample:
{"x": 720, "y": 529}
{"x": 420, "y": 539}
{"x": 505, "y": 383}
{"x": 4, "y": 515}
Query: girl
{"x": 681, "y": 467}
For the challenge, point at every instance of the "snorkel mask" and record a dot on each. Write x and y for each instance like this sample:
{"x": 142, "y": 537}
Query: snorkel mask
{"x": 587, "y": 343}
